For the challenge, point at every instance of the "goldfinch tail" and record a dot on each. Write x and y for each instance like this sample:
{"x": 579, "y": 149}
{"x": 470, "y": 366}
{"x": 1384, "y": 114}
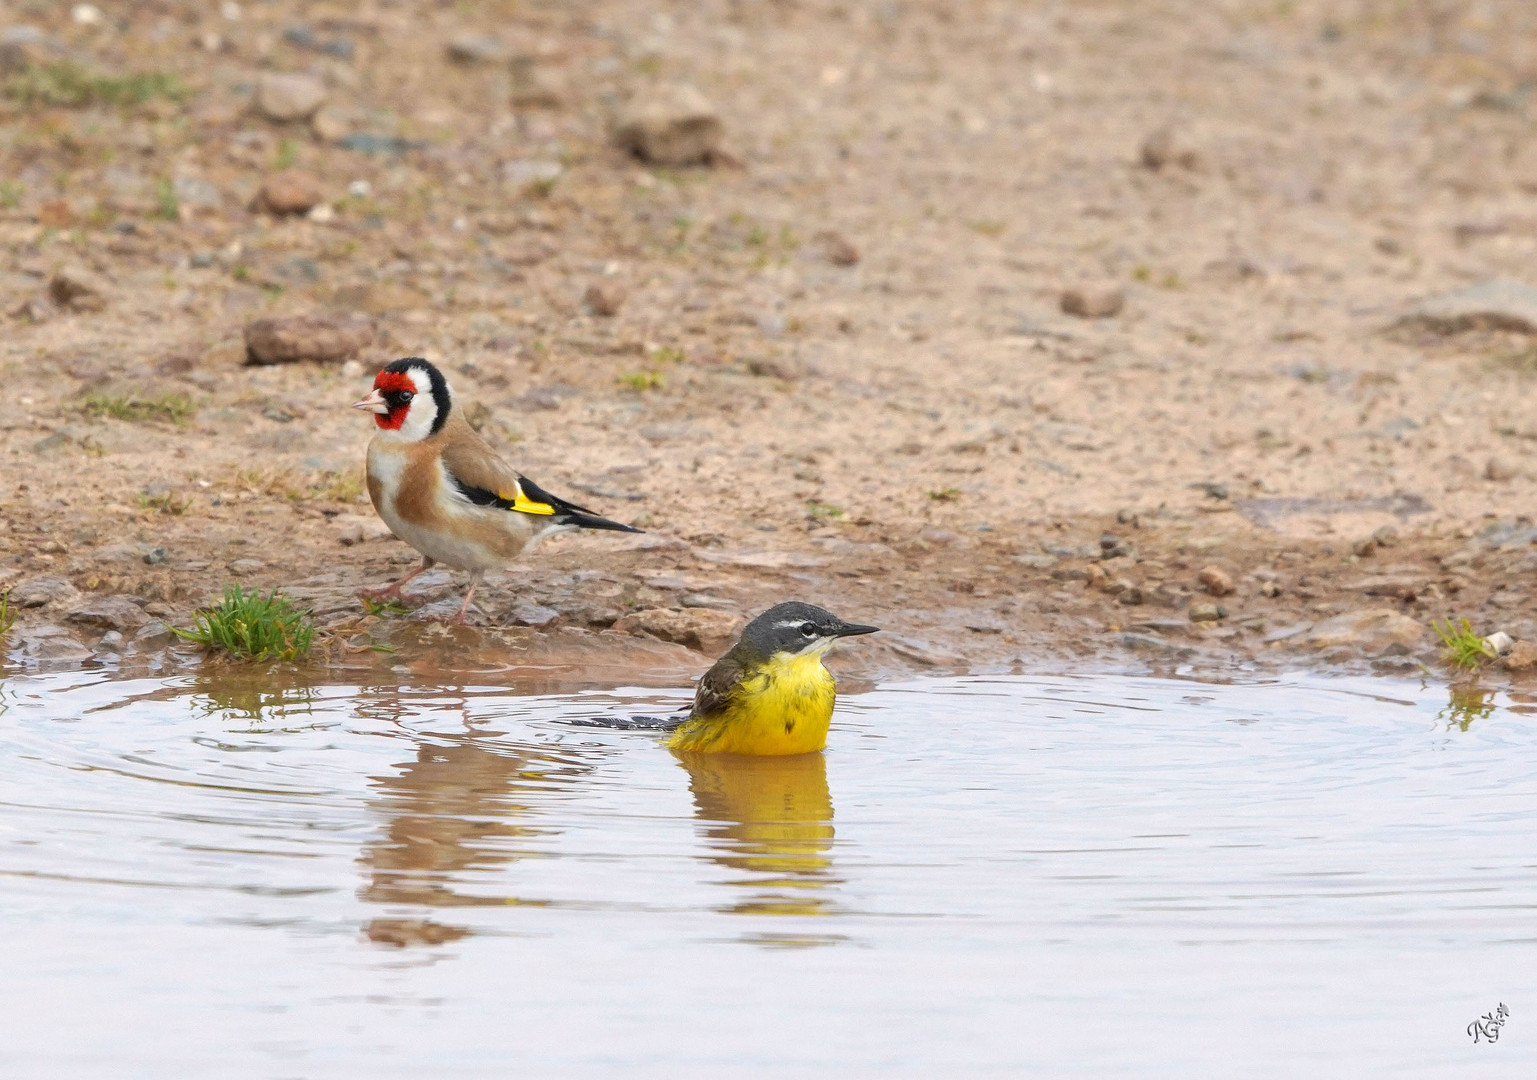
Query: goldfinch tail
{"x": 535, "y": 500}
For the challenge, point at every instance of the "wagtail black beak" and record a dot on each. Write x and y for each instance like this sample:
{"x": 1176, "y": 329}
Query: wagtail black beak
{"x": 849, "y": 629}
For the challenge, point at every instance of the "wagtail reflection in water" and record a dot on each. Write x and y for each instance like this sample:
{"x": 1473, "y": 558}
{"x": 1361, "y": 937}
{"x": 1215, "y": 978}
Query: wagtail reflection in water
{"x": 769, "y": 694}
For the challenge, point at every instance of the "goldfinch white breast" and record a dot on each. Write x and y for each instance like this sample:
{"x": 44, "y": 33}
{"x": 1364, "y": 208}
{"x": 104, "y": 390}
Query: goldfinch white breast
{"x": 442, "y": 490}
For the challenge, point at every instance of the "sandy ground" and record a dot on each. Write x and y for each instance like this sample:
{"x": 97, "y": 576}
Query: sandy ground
{"x": 841, "y": 370}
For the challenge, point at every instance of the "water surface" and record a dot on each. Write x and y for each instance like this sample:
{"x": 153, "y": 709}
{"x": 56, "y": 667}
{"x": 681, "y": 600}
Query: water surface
{"x": 1092, "y": 877}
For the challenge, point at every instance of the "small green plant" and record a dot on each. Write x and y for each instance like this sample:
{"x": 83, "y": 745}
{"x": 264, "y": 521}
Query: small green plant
{"x": 10, "y": 194}
{"x": 820, "y": 511}
{"x": 1464, "y": 647}
{"x": 7, "y": 614}
{"x": 167, "y": 204}
{"x": 166, "y": 503}
{"x": 287, "y": 154}
{"x": 381, "y": 608}
{"x": 641, "y": 380}
{"x": 68, "y": 85}
{"x": 668, "y": 354}
{"x": 250, "y": 626}
{"x": 945, "y": 494}
{"x": 177, "y": 408}
{"x": 343, "y": 487}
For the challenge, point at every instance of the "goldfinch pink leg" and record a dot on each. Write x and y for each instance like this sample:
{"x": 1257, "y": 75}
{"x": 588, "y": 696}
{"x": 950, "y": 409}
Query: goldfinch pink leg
{"x": 392, "y": 591}
{"x": 459, "y": 618}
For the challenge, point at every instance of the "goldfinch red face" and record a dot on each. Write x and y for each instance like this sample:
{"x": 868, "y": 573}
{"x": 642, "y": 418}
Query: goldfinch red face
{"x": 410, "y": 400}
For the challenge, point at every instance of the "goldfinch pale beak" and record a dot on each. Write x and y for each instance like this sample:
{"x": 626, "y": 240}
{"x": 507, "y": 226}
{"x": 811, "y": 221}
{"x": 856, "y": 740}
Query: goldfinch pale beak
{"x": 374, "y": 403}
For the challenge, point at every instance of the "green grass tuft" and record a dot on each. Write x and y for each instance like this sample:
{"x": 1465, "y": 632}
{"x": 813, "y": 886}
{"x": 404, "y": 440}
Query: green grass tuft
{"x": 641, "y": 381}
{"x": 7, "y": 614}
{"x": 177, "y": 408}
{"x": 945, "y": 494}
{"x": 165, "y": 503}
{"x": 1464, "y": 647}
{"x": 68, "y": 85}
{"x": 250, "y": 626}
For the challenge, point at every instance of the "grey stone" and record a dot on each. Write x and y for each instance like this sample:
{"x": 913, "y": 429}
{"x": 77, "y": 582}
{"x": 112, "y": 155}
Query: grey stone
{"x": 530, "y": 614}
{"x": 111, "y": 641}
{"x": 674, "y": 125}
{"x": 35, "y": 592}
{"x": 50, "y": 642}
{"x": 1366, "y": 629}
{"x": 245, "y": 566}
{"x": 1207, "y": 612}
{"x": 155, "y": 556}
{"x": 153, "y": 633}
{"x": 110, "y": 612}
{"x": 285, "y": 97}
{"x": 445, "y": 609}
{"x": 1496, "y": 304}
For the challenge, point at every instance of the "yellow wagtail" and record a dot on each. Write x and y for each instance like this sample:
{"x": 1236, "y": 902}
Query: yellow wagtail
{"x": 769, "y": 694}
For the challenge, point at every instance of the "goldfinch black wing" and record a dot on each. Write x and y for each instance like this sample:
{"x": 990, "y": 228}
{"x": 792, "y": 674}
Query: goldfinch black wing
{"x": 485, "y": 480}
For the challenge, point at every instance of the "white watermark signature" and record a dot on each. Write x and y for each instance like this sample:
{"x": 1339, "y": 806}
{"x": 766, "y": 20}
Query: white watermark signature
{"x": 1487, "y": 1027}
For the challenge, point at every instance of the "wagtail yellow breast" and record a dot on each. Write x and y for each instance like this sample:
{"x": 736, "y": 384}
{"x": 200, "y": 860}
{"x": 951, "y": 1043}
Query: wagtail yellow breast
{"x": 442, "y": 490}
{"x": 769, "y": 694}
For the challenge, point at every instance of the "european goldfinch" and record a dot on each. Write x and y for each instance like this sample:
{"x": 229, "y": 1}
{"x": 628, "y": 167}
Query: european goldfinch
{"x": 442, "y": 490}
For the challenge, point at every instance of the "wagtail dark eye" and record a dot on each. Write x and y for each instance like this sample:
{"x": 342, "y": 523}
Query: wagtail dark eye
{"x": 809, "y": 629}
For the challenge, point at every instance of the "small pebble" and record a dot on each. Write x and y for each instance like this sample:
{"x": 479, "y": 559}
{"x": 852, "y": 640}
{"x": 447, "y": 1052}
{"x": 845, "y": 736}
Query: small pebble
{"x": 673, "y": 126}
{"x": 292, "y": 191}
{"x": 1215, "y": 580}
{"x": 836, "y": 248}
{"x": 1207, "y": 612}
{"x": 1093, "y": 301}
{"x": 1164, "y": 147}
{"x": 284, "y": 97}
{"x": 281, "y": 341}
{"x": 1499, "y": 470}
{"x": 1521, "y": 657}
{"x": 76, "y": 288}
{"x": 605, "y": 298}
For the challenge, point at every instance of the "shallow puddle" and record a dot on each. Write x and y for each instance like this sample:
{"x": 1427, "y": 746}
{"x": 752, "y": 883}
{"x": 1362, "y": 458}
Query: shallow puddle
{"x": 1005, "y": 876}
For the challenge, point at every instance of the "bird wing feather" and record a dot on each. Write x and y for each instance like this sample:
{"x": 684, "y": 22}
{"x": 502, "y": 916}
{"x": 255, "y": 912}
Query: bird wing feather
{"x": 719, "y": 687}
{"x": 475, "y": 466}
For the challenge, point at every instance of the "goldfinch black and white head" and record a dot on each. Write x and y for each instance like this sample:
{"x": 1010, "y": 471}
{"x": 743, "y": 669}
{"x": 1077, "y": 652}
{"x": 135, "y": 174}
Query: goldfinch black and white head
{"x": 411, "y": 400}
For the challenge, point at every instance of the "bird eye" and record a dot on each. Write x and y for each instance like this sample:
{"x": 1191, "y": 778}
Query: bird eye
{"x": 808, "y": 629}
{"x": 406, "y": 396}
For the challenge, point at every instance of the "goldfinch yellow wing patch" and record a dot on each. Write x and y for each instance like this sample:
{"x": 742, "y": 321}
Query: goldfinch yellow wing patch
{"x": 523, "y": 504}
